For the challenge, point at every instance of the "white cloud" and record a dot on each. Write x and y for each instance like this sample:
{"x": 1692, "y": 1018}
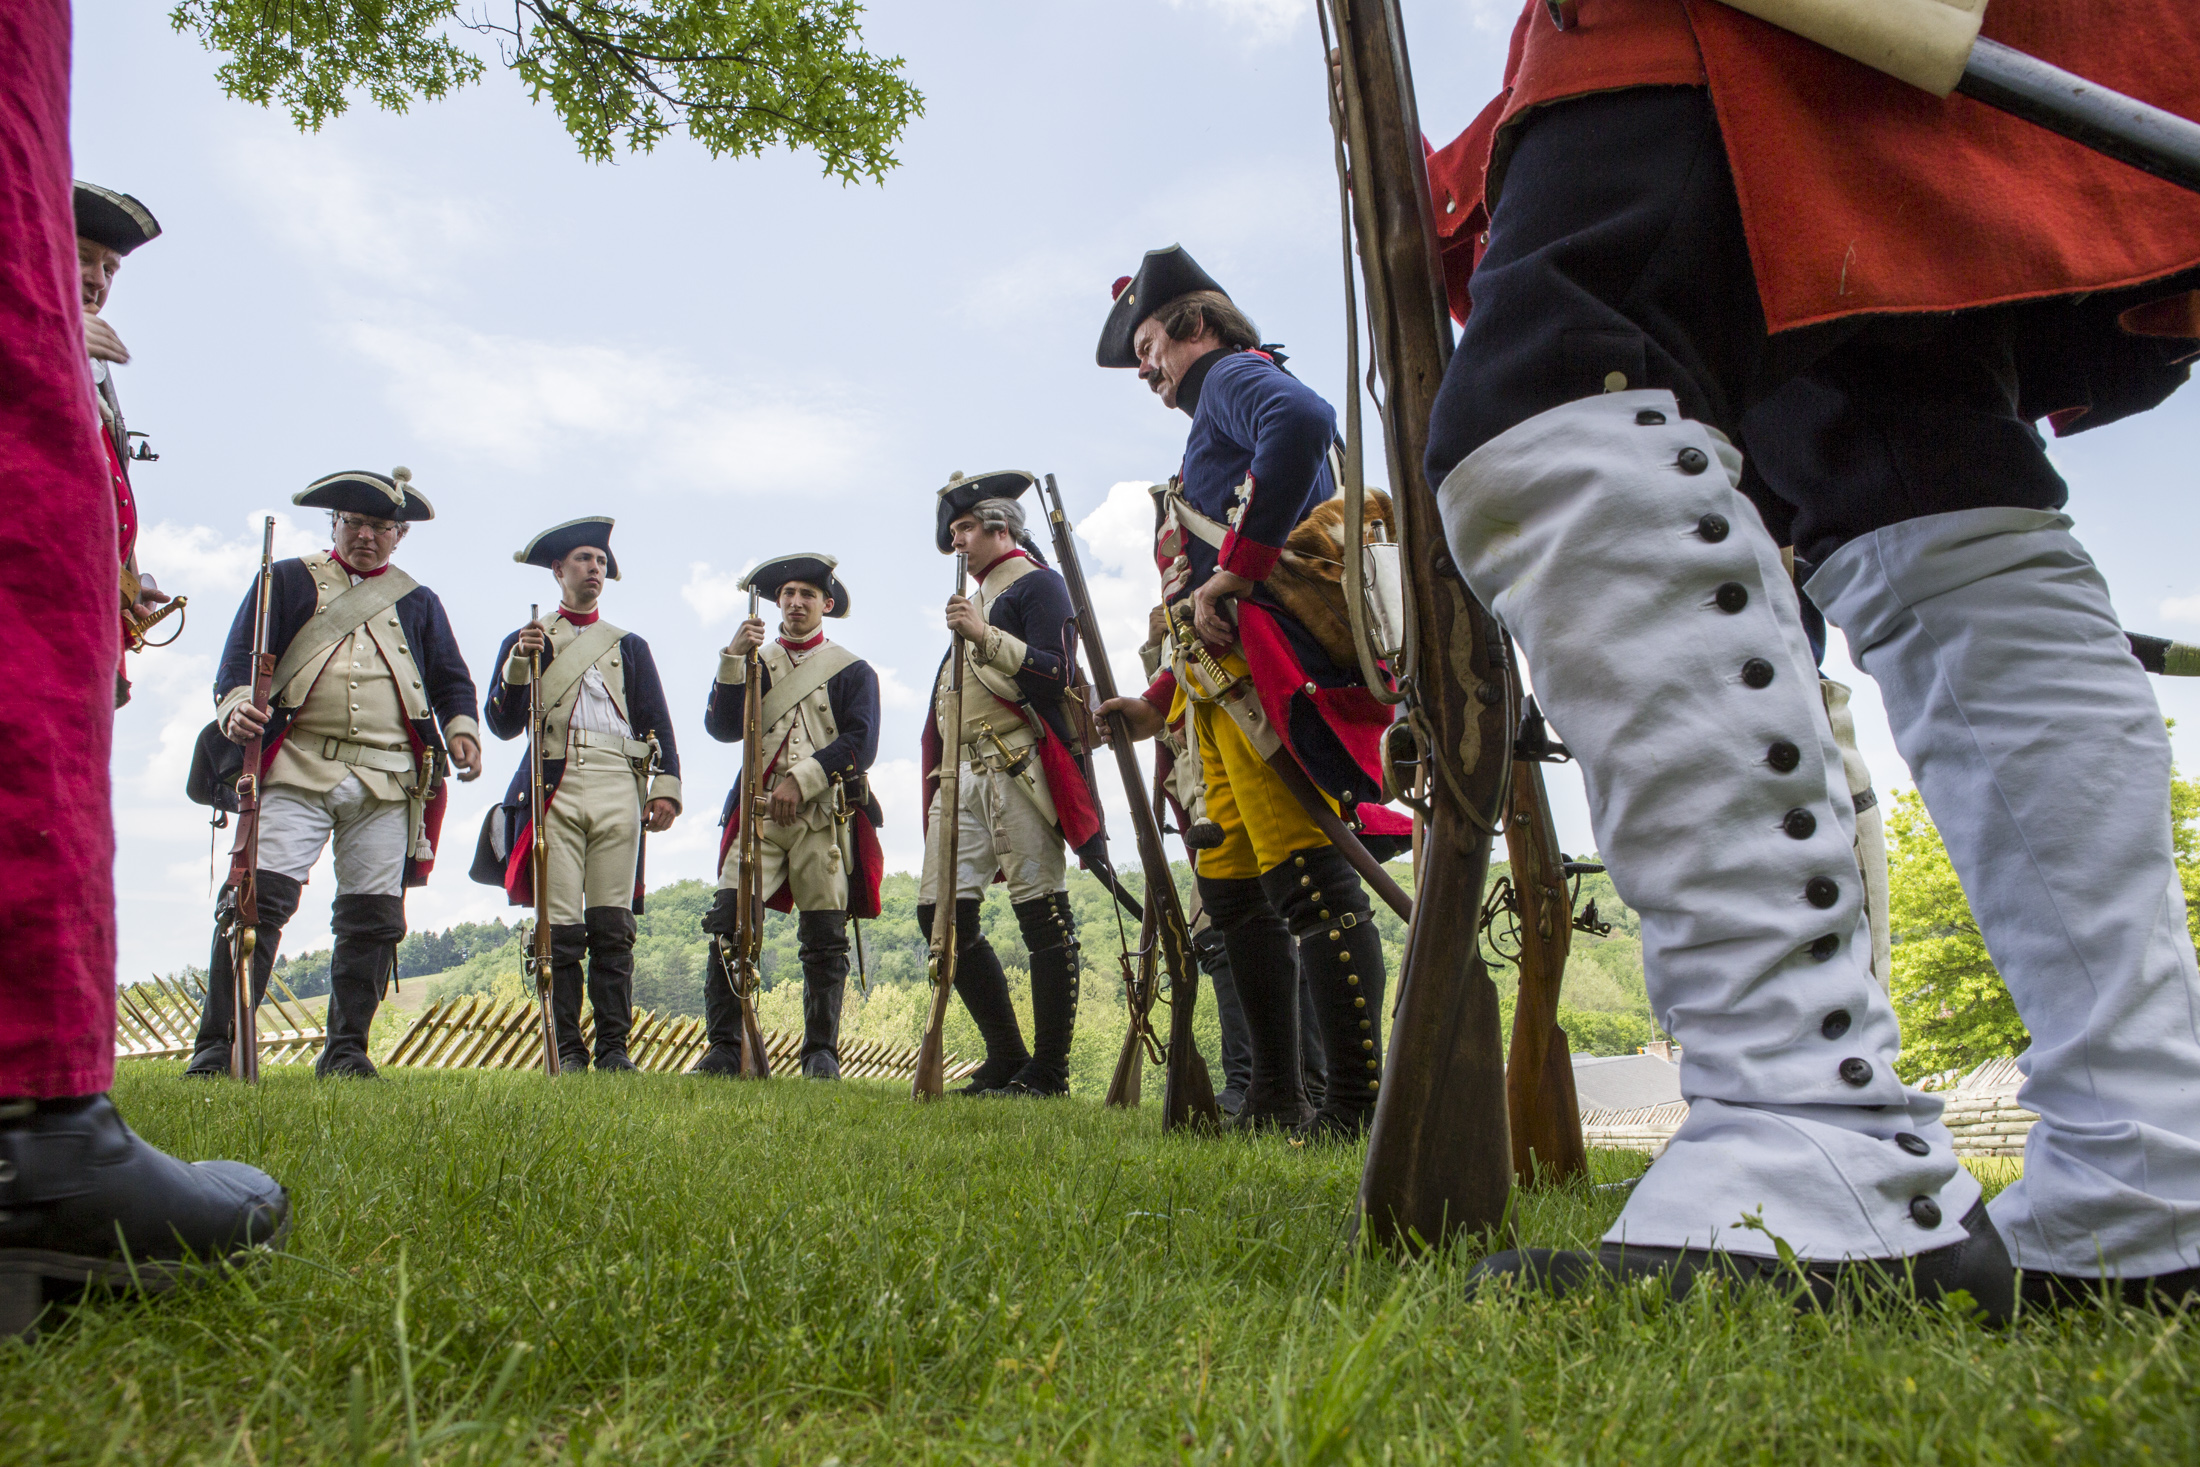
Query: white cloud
{"x": 525, "y": 401}
{"x": 2181, "y": 608}
{"x": 200, "y": 561}
{"x": 354, "y": 216}
{"x": 1120, "y": 576}
{"x": 1258, "y": 20}
{"x": 894, "y": 693}
{"x": 715, "y": 596}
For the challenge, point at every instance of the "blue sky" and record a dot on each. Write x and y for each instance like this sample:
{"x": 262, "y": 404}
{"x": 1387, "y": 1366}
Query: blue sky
{"x": 740, "y": 359}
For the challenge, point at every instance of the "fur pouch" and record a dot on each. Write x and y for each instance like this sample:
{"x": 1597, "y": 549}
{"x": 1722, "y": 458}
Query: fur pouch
{"x": 1308, "y": 579}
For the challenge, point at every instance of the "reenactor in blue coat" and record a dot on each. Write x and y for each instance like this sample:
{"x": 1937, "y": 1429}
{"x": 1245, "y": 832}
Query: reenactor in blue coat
{"x": 1256, "y": 468}
{"x": 819, "y": 849}
{"x": 1025, "y": 792}
{"x": 369, "y": 685}
{"x": 610, "y": 770}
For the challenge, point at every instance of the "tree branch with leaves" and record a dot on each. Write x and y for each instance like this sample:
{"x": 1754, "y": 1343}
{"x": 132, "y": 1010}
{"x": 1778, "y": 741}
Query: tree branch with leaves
{"x": 739, "y": 76}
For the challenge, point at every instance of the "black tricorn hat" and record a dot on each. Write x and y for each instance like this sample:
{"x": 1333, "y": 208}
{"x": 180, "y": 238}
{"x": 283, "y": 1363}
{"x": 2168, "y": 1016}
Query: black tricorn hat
{"x": 559, "y": 541}
{"x": 815, "y": 570}
{"x": 388, "y": 496}
{"x": 961, "y": 493}
{"x": 115, "y": 220}
{"x": 1162, "y": 276}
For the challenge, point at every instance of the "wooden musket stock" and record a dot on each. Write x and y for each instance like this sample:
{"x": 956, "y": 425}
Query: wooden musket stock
{"x": 1439, "y": 1157}
{"x": 539, "y": 961}
{"x": 741, "y": 960}
{"x": 242, "y": 900}
{"x": 930, "y": 1082}
{"x": 1188, "y": 1093}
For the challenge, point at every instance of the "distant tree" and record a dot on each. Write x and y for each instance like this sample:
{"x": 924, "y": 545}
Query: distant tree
{"x": 1956, "y": 1012}
{"x": 739, "y": 75}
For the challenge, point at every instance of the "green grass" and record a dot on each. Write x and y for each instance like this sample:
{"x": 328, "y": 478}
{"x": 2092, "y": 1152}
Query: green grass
{"x": 490, "y": 1268}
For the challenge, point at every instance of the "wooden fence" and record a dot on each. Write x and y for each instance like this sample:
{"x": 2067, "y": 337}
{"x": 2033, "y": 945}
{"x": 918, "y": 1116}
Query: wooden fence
{"x": 160, "y": 1020}
{"x": 478, "y": 1033}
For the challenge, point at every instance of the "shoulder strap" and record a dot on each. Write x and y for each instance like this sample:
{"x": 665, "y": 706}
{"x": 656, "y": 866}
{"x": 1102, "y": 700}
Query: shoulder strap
{"x": 1197, "y": 523}
{"x": 573, "y": 660}
{"x": 339, "y": 619}
{"x": 802, "y": 681}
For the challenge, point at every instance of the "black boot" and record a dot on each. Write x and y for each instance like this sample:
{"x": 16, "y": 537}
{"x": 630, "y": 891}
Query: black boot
{"x": 721, "y": 1007}
{"x": 611, "y": 984}
{"x": 824, "y": 947}
{"x": 1237, "y": 1044}
{"x": 1050, "y": 936}
{"x": 984, "y": 990}
{"x": 368, "y": 929}
{"x": 1313, "y": 1058}
{"x": 1265, "y": 973}
{"x": 1325, "y": 906}
{"x": 568, "y": 954}
{"x": 83, "y": 1201}
{"x": 210, "y": 1051}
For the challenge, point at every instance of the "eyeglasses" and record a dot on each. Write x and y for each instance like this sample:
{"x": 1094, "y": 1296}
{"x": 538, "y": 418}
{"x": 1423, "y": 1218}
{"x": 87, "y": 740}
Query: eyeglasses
{"x": 380, "y": 529}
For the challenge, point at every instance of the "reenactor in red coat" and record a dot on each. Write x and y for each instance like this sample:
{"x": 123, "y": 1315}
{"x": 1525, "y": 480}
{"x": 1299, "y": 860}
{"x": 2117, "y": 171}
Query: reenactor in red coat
{"x": 1728, "y": 295}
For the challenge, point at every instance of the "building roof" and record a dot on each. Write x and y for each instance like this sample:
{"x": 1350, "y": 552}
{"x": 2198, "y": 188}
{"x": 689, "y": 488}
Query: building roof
{"x": 1625, "y": 1081}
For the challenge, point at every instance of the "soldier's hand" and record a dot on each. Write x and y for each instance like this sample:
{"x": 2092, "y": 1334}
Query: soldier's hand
{"x": 747, "y": 637}
{"x": 1215, "y": 623}
{"x": 659, "y": 815}
{"x": 150, "y": 597}
{"x": 532, "y": 638}
{"x": 963, "y": 619}
{"x": 101, "y": 342}
{"x": 466, "y": 755}
{"x": 786, "y": 802}
{"x": 243, "y": 723}
{"x": 1140, "y": 717}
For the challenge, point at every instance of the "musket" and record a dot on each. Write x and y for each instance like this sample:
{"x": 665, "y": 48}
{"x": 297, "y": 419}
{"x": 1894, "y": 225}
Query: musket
{"x": 1139, "y": 993}
{"x": 931, "y": 1077}
{"x": 1439, "y": 1158}
{"x": 1188, "y": 1094}
{"x": 1935, "y": 45}
{"x": 1540, "y": 1103}
{"x": 240, "y": 905}
{"x": 538, "y": 960}
{"x": 741, "y": 961}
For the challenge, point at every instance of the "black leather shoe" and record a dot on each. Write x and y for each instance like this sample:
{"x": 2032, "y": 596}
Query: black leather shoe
{"x": 821, "y": 1066}
{"x": 346, "y": 1067}
{"x": 1346, "y": 1127}
{"x": 2162, "y": 1291}
{"x": 723, "y": 1060}
{"x": 1034, "y": 1081}
{"x": 617, "y": 1063}
{"x": 1979, "y": 1265}
{"x": 84, "y": 1201}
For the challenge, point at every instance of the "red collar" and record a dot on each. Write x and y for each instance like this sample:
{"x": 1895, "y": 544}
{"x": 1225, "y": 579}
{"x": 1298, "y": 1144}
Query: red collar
{"x": 579, "y": 618}
{"x": 363, "y": 575}
{"x": 980, "y": 575}
{"x": 815, "y": 638}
